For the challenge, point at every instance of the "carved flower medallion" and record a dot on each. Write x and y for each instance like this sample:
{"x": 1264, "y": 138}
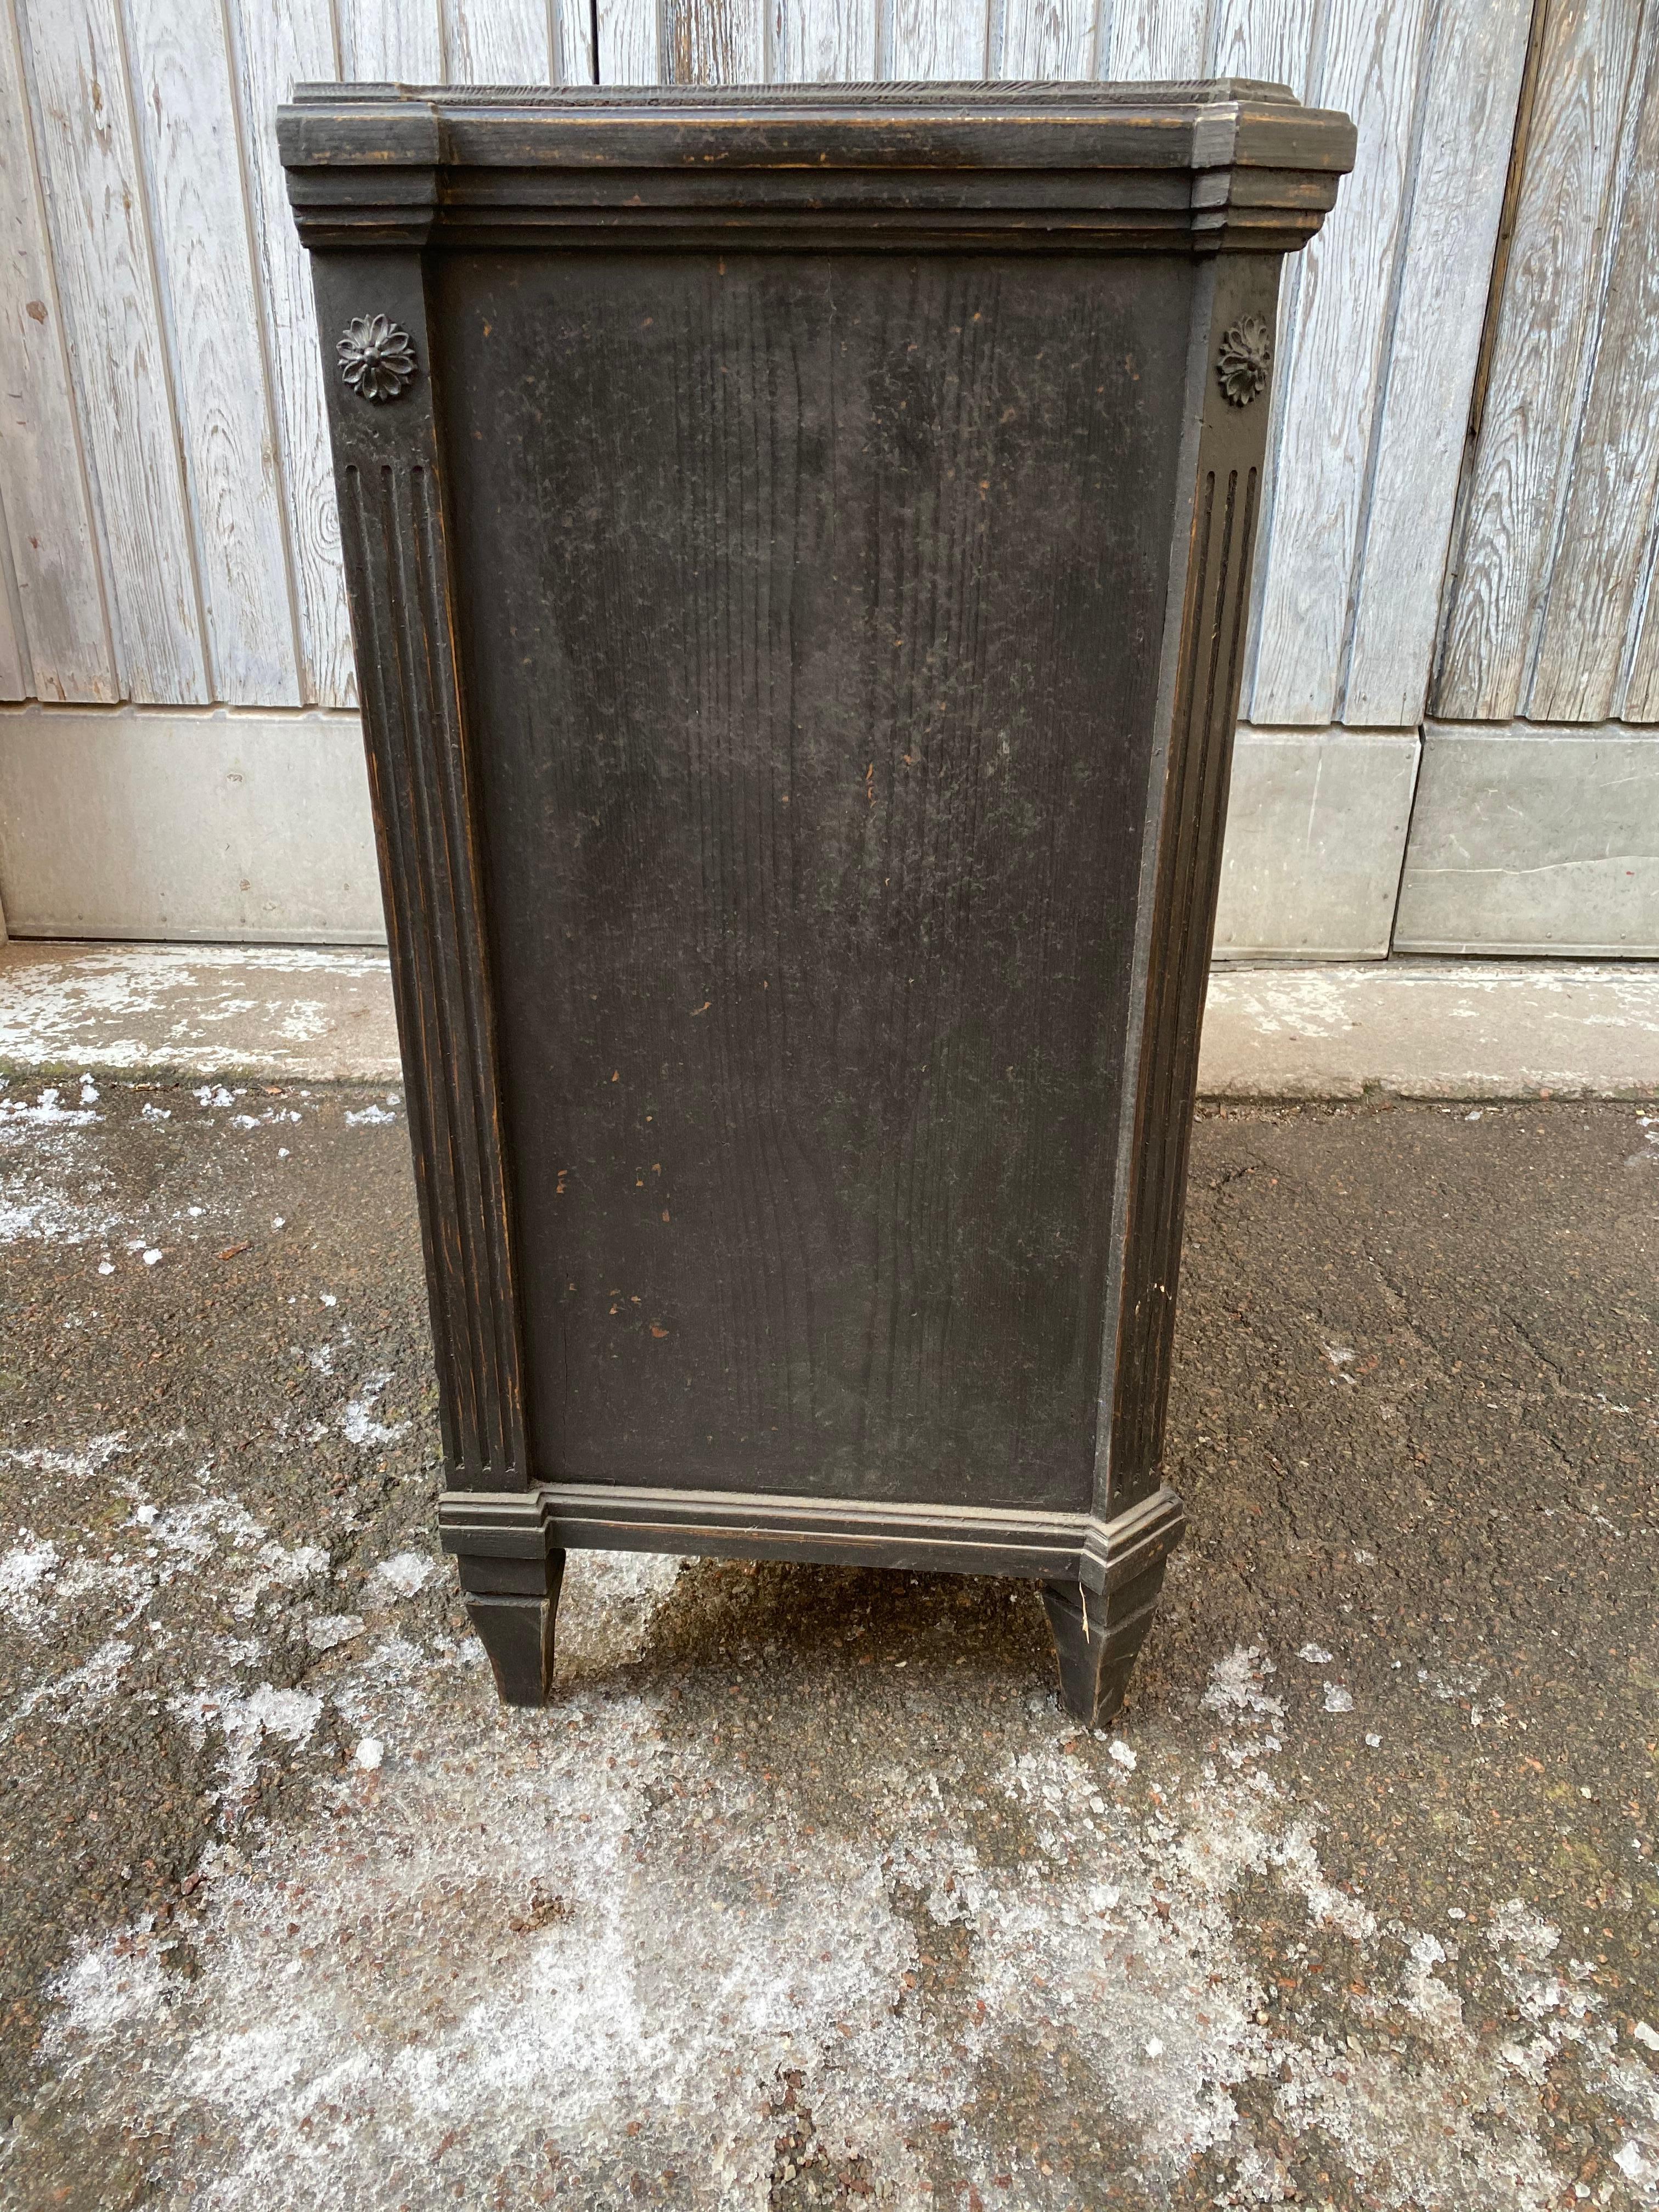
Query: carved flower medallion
{"x": 1246, "y": 350}
{"x": 376, "y": 358}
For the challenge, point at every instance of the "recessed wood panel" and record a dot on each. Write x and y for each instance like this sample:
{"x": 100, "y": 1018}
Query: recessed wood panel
{"x": 814, "y": 607}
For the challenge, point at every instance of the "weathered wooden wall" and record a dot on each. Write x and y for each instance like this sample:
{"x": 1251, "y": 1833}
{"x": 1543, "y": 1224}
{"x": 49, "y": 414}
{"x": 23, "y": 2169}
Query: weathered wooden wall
{"x": 1537, "y": 825}
{"x": 170, "y": 547}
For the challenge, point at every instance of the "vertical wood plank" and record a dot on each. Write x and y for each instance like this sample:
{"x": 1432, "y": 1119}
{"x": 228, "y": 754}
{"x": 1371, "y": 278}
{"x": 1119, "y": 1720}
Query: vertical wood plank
{"x": 713, "y": 41}
{"x": 630, "y": 42}
{"x": 1046, "y": 40}
{"x": 1458, "y": 195}
{"x": 1641, "y": 700}
{"x": 1532, "y": 404}
{"x": 390, "y": 42}
{"x": 1272, "y": 39}
{"x": 279, "y": 43}
{"x": 1267, "y": 38}
{"x": 823, "y": 42}
{"x": 1372, "y": 59}
{"x": 1599, "y": 562}
{"x": 1158, "y": 41}
{"x": 929, "y": 40}
{"x": 497, "y": 42}
{"x": 572, "y": 42}
{"x": 181, "y": 88}
{"x": 52, "y": 535}
{"x": 118, "y": 356}
{"x": 16, "y": 677}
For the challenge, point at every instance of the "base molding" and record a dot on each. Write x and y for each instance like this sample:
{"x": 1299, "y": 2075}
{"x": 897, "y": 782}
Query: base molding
{"x": 1100, "y": 1578}
{"x": 1079, "y": 1548}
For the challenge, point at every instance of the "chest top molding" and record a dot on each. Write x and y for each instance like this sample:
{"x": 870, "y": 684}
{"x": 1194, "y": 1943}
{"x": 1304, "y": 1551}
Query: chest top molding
{"x": 1222, "y": 165}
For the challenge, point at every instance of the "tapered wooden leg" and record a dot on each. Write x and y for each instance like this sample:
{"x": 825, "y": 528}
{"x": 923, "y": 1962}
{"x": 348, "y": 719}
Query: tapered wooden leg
{"x": 513, "y": 1603}
{"x": 1098, "y": 1631}
{"x": 1096, "y": 1637}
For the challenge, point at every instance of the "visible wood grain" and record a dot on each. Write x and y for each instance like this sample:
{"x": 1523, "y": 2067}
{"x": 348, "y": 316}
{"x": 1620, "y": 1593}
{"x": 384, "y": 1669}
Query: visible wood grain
{"x": 1269, "y": 38}
{"x": 630, "y": 42}
{"x": 1328, "y": 396}
{"x": 1601, "y": 558}
{"x": 927, "y": 39}
{"x": 823, "y": 42}
{"x": 866, "y": 738}
{"x": 1273, "y": 40}
{"x": 1159, "y": 40}
{"x": 834, "y": 648}
{"x": 1533, "y": 398}
{"x": 395, "y": 536}
{"x": 713, "y": 41}
{"x": 497, "y": 42}
{"x": 118, "y": 354}
{"x": 277, "y": 45}
{"x": 1214, "y": 519}
{"x": 390, "y": 41}
{"x": 182, "y": 93}
{"x": 1474, "y": 72}
{"x": 64, "y": 650}
{"x": 1641, "y": 700}
{"x": 572, "y": 42}
{"x": 15, "y": 678}
{"x": 1050, "y": 38}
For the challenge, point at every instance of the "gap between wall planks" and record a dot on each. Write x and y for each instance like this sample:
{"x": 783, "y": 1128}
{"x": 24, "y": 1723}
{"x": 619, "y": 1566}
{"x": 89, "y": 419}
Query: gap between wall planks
{"x": 164, "y": 478}
{"x": 165, "y": 491}
{"x": 1549, "y": 606}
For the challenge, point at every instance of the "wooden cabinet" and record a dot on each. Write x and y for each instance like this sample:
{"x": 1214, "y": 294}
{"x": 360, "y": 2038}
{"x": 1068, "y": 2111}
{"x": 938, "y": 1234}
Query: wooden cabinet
{"x": 798, "y": 548}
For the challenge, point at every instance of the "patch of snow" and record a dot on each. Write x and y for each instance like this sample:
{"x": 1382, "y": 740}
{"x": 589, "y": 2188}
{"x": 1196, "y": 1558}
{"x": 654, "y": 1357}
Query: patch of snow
{"x": 357, "y": 1424}
{"x": 24, "y": 1572}
{"x": 326, "y": 1631}
{"x": 406, "y": 1572}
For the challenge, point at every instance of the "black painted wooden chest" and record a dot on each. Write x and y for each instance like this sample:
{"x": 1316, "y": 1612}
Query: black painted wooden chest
{"x": 798, "y": 548}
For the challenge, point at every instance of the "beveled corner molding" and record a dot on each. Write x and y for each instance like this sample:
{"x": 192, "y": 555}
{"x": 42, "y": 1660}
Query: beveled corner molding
{"x": 1035, "y": 1546}
{"x": 1230, "y": 165}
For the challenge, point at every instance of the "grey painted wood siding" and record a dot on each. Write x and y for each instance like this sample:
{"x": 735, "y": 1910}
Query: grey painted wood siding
{"x": 168, "y": 529}
{"x": 168, "y": 512}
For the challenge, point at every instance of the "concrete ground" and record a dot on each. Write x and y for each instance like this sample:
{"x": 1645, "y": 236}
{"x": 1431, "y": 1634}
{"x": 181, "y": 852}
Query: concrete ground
{"x": 1409, "y": 1029}
{"x": 805, "y": 1892}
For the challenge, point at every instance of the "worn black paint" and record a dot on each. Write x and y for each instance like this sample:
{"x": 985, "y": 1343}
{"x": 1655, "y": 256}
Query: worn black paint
{"x": 812, "y": 820}
{"x": 801, "y": 606}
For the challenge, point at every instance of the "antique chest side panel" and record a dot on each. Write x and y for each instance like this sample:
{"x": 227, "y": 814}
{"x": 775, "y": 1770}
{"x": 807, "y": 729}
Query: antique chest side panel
{"x": 813, "y": 604}
{"x": 801, "y": 628}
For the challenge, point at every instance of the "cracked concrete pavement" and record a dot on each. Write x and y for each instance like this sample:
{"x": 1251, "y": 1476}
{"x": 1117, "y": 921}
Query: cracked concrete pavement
{"x": 804, "y": 1891}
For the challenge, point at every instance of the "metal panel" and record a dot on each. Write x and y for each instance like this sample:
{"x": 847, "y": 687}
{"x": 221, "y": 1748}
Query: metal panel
{"x": 121, "y": 823}
{"x": 1533, "y": 840}
{"x": 1316, "y": 833}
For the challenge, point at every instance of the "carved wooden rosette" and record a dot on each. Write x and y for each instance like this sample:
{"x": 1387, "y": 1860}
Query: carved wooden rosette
{"x": 1230, "y": 176}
